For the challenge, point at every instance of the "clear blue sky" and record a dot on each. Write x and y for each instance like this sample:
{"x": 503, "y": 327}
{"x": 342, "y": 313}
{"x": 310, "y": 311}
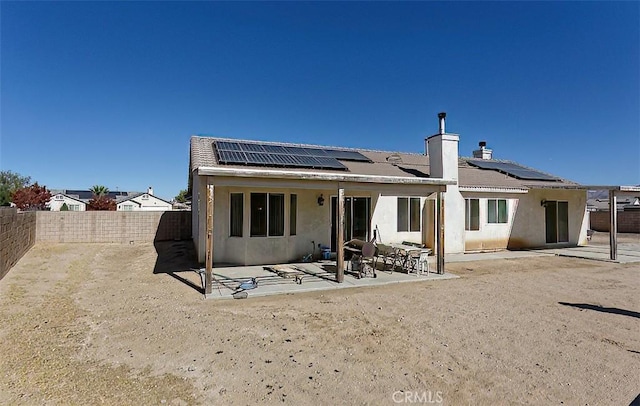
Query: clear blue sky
{"x": 110, "y": 92}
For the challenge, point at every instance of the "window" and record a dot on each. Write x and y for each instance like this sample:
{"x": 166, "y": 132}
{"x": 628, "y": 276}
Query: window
{"x": 127, "y": 207}
{"x": 497, "y": 211}
{"x": 472, "y": 214}
{"x": 409, "y": 214}
{"x": 236, "y": 214}
{"x": 145, "y": 197}
{"x": 74, "y": 207}
{"x": 59, "y": 197}
{"x": 267, "y": 214}
{"x": 276, "y": 214}
{"x": 293, "y": 214}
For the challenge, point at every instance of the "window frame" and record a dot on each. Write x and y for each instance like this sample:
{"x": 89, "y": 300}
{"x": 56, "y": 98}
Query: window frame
{"x": 293, "y": 214}
{"x": 408, "y": 225}
{"x": 231, "y": 213}
{"x": 468, "y": 207}
{"x": 268, "y": 226}
{"x": 497, "y": 217}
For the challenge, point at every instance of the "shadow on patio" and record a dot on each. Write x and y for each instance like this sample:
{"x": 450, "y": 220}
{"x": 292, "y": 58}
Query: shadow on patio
{"x": 178, "y": 260}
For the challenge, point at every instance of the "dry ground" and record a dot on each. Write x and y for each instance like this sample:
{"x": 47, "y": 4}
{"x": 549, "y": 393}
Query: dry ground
{"x": 93, "y": 324}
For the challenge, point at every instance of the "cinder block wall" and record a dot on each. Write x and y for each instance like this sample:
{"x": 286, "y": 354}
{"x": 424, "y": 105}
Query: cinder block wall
{"x": 17, "y": 236}
{"x": 112, "y": 227}
{"x": 628, "y": 221}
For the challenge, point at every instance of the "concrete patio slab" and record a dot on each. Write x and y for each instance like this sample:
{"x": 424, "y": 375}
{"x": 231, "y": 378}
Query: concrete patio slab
{"x": 315, "y": 276}
{"x": 627, "y": 253}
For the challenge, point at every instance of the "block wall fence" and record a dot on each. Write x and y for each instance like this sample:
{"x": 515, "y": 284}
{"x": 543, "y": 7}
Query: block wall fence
{"x": 20, "y": 230}
{"x": 628, "y": 221}
{"x": 112, "y": 227}
{"x": 17, "y": 236}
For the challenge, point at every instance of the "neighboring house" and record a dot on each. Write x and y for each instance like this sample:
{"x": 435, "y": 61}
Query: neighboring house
{"x": 272, "y": 201}
{"x": 598, "y": 202}
{"x": 143, "y": 202}
{"x": 78, "y": 200}
{"x": 73, "y": 204}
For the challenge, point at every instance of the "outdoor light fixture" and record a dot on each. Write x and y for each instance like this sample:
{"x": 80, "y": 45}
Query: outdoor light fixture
{"x": 320, "y": 200}
{"x": 543, "y": 202}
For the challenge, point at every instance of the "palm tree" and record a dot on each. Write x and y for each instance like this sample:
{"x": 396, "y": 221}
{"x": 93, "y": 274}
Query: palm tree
{"x": 99, "y": 190}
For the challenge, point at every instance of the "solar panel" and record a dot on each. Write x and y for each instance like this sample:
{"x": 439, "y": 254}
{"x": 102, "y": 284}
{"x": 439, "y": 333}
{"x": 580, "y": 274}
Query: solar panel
{"x": 274, "y": 149}
{"x": 235, "y": 157}
{"x": 347, "y": 155}
{"x": 328, "y": 162}
{"x": 512, "y": 169}
{"x": 249, "y": 153}
{"x": 227, "y": 146}
{"x": 252, "y": 147}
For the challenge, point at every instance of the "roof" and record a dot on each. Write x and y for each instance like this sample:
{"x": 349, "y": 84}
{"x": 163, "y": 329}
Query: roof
{"x": 69, "y": 197}
{"x": 471, "y": 176}
{"x": 131, "y": 197}
{"x": 86, "y": 195}
{"x": 384, "y": 164}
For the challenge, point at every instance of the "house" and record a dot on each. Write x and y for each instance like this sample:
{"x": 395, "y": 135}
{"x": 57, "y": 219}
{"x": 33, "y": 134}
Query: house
{"x": 143, "y": 202}
{"x": 58, "y": 200}
{"x": 265, "y": 203}
{"x": 78, "y": 200}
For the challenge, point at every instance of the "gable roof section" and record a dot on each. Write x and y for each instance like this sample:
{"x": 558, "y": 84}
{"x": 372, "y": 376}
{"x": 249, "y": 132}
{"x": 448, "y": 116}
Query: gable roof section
{"x": 69, "y": 197}
{"x": 126, "y": 199}
{"x": 383, "y": 164}
{"x": 410, "y": 165}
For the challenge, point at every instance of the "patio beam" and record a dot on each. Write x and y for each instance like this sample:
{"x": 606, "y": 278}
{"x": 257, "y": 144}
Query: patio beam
{"x": 209, "y": 247}
{"x": 440, "y": 234}
{"x": 340, "y": 247}
{"x": 613, "y": 225}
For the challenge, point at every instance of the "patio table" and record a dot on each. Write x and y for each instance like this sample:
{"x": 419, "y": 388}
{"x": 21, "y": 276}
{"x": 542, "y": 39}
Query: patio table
{"x": 407, "y": 255}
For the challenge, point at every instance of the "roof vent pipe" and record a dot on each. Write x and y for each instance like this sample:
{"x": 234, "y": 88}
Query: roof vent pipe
{"x": 441, "y": 117}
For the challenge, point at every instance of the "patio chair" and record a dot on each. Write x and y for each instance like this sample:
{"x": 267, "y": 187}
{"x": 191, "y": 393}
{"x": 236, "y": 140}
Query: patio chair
{"x": 365, "y": 261}
{"x": 389, "y": 257}
{"x": 419, "y": 264}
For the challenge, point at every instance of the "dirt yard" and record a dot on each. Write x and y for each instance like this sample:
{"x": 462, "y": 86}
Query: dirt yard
{"x": 93, "y": 324}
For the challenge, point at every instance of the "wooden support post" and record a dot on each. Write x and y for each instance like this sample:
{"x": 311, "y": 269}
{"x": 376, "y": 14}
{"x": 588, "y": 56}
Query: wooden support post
{"x": 440, "y": 234}
{"x": 613, "y": 225}
{"x": 340, "y": 247}
{"x": 208, "y": 282}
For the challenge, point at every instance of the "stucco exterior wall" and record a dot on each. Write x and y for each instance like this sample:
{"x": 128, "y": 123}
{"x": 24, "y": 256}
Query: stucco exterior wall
{"x": 529, "y": 220}
{"x": 490, "y": 236}
{"x": 17, "y": 236}
{"x": 385, "y": 218}
{"x": 140, "y": 203}
{"x": 443, "y": 161}
{"x": 198, "y": 215}
{"x": 313, "y": 224}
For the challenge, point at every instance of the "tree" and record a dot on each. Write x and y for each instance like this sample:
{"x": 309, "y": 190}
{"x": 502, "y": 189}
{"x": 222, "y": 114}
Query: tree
{"x": 182, "y": 196}
{"x": 102, "y": 202}
{"x": 99, "y": 190}
{"x": 34, "y": 197}
{"x": 64, "y": 207}
{"x": 9, "y": 183}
